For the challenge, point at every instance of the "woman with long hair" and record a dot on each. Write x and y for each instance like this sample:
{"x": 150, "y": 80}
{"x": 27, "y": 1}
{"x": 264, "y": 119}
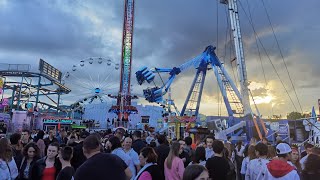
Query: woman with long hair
{"x": 148, "y": 161}
{"x": 173, "y": 165}
{"x": 49, "y": 166}
{"x": 195, "y": 172}
{"x": 8, "y": 167}
{"x": 312, "y": 168}
{"x": 40, "y": 143}
{"x": 232, "y": 172}
{"x": 295, "y": 159}
{"x": 271, "y": 152}
{"x": 250, "y": 155}
{"x": 31, "y": 154}
{"x": 199, "y": 156}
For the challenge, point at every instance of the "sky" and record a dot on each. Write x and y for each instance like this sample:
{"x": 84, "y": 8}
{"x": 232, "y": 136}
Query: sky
{"x": 168, "y": 33}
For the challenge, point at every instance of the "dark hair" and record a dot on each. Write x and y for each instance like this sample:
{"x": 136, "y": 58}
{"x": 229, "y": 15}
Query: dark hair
{"x": 199, "y": 154}
{"x": 312, "y": 165}
{"x": 162, "y": 139}
{"x": 40, "y": 135}
{"x": 308, "y": 145}
{"x": 66, "y": 153}
{"x": 193, "y": 171}
{"x": 115, "y": 142}
{"x": 188, "y": 141}
{"x": 239, "y": 144}
{"x": 55, "y": 144}
{"x": 26, "y": 130}
{"x": 14, "y": 138}
{"x": 5, "y": 150}
{"x": 150, "y": 154}
{"x": 91, "y": 143}
{"x": 262, "y": 149}
{"x": 209, "y": 137}
{"x": 217, "y": 146}
{"x": 137, "y": 134}
{"x": 35, "y": 147}
{"x": 229, "y": 137}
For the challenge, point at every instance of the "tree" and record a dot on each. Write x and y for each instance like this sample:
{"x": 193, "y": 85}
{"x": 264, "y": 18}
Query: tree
{"x": 294, "y": 115}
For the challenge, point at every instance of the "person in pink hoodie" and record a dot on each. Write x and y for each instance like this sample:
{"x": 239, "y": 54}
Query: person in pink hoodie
{"x": 173, "y": 165}
{"x": 279, "y": 168}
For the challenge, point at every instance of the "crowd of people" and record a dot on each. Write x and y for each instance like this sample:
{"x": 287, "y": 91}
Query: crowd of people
{"x": 80, "y": 155}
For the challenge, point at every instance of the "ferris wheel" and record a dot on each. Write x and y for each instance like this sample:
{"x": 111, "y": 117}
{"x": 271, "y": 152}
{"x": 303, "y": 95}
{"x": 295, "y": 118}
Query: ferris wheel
{"x": 90, "y": 81}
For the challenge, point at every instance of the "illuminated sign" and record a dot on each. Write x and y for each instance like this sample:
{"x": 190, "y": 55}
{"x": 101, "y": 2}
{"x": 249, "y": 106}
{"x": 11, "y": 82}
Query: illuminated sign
{"x": 62, "y": 121}
{"x": 49, "y": 70}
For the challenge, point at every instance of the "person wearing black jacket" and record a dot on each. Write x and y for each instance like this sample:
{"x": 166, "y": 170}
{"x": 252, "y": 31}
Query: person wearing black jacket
{"x": 162, "y": 151}
{"x": 31, "y": 154}
{"x": 78, "y": 157}
{"x": 137, "y": 144}
{"x": 48, "y": 166}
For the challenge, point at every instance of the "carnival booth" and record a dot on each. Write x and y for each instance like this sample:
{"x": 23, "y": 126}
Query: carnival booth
{"x": 50, "y": 123}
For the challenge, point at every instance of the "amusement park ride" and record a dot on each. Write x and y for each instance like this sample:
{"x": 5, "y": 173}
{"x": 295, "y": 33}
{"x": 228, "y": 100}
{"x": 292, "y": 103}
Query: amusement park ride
{"x": 124, "y": 108}
{"x": 237, "y": 102}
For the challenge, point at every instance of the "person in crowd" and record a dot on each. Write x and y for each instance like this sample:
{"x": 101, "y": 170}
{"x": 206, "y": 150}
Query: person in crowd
{"x": 64, "y": 138}
{"x": 231, "y": 175}
{"x": 209, "y": 152}
{"x": 188, "y": 147}
{"x": 195, "y": 172}
{"x": 49, "y": 166}
{"x": 150, "y": 137}
{"x": 162, "y": 151}
{"x": 50, "y": 139}
{"x": 31, "y": 154}
{"x": 312, "y": 168}
{"x": 119, "y": 133}
{"x": 40, "y": 143}
{"x": 183, "y": 154}
{"x": 305, "y": 154}
{"x": 250, "y": 155}
{"x": 295, "y": 160}
{"x": 173, "y": 165}
{"x": 218, "y": 166}
{"x": 8, "y": 167}
{"x": 26, "y": 137}
{"x": 239, "y": 156}
{"x": 271, "y": 152}
{"x": 265, "y": 141}
{"x": 137, "y": 144}
{"x": 115, "y": 145}
{"x": 199, "y": 156}
{"x": 78, "y": 155}
{"x": 255, "y": 166}
{"x": 65, "y": 156}
{"x": 307, "y": 149}
{"x": 280, "y": 168}
{"x": 150, "y": 170}
{"x": 16, "y": 145}
{"x": 135, "y": 166}
{"x": 100, "y": 166}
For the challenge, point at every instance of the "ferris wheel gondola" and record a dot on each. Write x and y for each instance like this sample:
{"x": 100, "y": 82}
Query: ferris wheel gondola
{"x": 91, "y": 80}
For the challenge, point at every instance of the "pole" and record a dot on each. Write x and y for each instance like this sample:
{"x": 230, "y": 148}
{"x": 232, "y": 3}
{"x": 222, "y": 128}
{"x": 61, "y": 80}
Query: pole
{"x": 38, "y": 90}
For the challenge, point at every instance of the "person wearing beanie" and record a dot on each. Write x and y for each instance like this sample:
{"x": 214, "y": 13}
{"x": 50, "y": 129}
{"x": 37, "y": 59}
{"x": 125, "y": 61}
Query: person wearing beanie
{"x": 279, "y": 168}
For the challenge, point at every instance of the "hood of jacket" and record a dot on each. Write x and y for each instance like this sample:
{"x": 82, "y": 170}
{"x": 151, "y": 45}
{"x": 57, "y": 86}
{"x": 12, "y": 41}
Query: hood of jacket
{"x": 278, "y": 168}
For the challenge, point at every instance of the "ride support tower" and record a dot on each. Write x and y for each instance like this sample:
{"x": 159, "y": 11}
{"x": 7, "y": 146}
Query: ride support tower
{"x": 124, "y": 108}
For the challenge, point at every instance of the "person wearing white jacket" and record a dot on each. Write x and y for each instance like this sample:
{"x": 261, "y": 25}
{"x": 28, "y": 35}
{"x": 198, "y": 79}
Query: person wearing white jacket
{"x": 256, "y": 166}
{"x": 279, "y": 168}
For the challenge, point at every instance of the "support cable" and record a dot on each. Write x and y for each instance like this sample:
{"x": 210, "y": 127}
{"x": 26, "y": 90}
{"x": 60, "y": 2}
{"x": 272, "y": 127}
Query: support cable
{"x": 265, "y": 51}
{"x": 281, "y": 54}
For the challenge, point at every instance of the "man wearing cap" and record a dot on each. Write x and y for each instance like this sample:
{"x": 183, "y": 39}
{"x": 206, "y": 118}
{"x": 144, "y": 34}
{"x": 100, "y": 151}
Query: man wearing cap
{"x": 280, "y": 168}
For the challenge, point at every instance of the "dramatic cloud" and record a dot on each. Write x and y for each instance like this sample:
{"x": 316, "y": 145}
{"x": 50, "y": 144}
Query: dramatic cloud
{"x": 167, "y": 34}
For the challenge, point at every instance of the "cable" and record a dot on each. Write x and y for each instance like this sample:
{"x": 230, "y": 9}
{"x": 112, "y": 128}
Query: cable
{"x": 264, "y": 49}
{"x": 285, "y": 65}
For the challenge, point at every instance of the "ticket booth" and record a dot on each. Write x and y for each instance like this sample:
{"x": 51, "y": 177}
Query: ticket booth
{"x": 57, "y": 123}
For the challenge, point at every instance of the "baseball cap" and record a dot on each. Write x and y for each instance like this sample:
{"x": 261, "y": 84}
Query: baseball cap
{"x": 283, "y": 148}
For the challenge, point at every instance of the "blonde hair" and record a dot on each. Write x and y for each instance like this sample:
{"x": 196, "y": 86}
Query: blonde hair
{"x": 174, "y": 152}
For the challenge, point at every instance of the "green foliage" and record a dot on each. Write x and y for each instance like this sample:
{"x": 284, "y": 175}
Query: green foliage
{"x": 295, "y": 115}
